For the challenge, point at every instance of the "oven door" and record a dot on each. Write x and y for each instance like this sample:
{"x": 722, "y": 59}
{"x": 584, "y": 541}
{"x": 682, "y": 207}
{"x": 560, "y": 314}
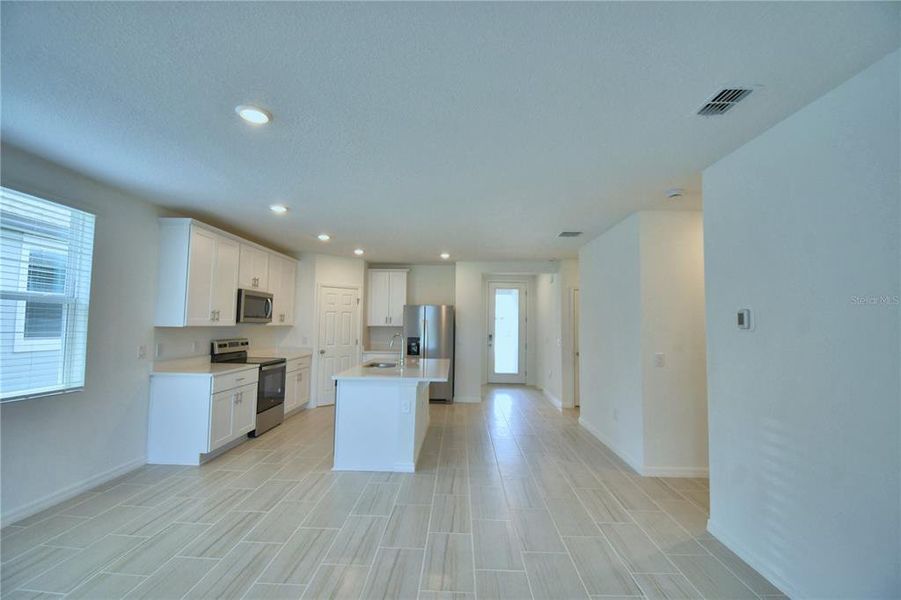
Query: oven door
{"x": 254, "y": 307}
{"x": 271, "y": 387}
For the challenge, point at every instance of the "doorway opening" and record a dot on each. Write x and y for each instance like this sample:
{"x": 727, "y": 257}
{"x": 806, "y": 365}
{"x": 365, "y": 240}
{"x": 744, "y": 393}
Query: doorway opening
{"x": 507, "y": 343}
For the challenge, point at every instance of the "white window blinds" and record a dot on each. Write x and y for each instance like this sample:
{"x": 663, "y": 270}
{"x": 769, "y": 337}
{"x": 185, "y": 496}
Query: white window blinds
{"x": 45, "y": 285}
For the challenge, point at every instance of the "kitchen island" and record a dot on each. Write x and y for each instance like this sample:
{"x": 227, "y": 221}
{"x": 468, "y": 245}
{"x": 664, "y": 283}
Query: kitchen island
{"x": 382, "y": 413}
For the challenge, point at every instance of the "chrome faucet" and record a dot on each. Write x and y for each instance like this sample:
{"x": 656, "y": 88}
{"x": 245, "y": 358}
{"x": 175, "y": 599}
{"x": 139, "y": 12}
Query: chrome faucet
{"x": 391, "y": 343}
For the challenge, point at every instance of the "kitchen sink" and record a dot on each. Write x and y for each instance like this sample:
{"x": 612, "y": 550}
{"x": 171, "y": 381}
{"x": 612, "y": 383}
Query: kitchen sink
{"x": 381, "y": 365}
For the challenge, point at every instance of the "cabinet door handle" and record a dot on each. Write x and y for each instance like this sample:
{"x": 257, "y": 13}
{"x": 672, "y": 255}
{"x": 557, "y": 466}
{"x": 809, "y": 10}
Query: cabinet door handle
{"x": 240, "y": 379}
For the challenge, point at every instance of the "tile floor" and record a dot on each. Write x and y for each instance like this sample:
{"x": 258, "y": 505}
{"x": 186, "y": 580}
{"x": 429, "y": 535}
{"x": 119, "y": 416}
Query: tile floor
{"x": 512, "y": 500}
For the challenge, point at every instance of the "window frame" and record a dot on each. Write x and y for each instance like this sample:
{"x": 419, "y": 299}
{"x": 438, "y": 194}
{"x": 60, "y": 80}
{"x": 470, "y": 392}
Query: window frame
{"x": 42, "y": 344}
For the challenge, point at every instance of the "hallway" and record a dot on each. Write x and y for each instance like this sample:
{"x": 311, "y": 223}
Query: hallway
{"x": 512, "y": 500}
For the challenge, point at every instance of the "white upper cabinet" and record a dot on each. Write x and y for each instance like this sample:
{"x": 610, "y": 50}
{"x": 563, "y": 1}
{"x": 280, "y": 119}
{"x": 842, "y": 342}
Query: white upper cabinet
{"x": 198, "y": 276}
{"x": 254, "y": 272}
{"x": 387, "y": 297}
{"x": 200, "y": 272}
{"x": 282, "y": 276}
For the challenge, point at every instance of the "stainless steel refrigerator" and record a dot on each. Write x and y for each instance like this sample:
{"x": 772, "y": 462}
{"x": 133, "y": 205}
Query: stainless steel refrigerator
{"x": 429, "y": 333}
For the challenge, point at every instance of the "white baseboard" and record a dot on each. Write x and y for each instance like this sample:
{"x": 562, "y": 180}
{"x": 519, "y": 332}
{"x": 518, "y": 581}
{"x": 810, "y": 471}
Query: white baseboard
{"x": 554, "y": 400}
{"x": 646, "y": 471}
{"x": 468, "y": 399}
{"x": 759, "y": 565}
{"x": 36, "y": 506}
{"x": 630, "y": 460}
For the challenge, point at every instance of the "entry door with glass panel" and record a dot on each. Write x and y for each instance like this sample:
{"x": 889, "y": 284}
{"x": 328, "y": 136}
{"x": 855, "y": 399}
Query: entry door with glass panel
{"x": 506, "y": 332}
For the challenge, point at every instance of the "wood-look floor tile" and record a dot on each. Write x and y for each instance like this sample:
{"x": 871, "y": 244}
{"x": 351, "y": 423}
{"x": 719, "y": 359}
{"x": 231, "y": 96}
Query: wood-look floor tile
{"x": 502, "y": 585}
{"x": 19, "y": 542}
{"x": 430, "y": 595}
{"x": 637, "y": 550}
{"x": 377, "y": 499}
{"x": 173, "y": 580}
{"x": 601, "y": 569}
{"x": 236, "y": 572}
{"x": 296, "y": 562}
{"x": 489, "y": 503}
{"x": 553, "y": 577}
{"x": 337, "y": 582}
{"x": 686, "y": 514}
{"x": 522, "y": 493}
{"x": 218, "y": 540}
{"x": 603, "y": 506}
{"x": 67, "y": 575}
{"x": 740, "y": 568}
{"x": 155, "y": 519}
{"x": 572, "y": 519}
{"x": 407, "y": 527}
{"x": 274, "y": 591}
{"x": 711, "y": 578}
{"x": 105, "y": 501}
{"x": 496, "y": 546}
{"x": 266, "y": 496}
{"x": 450, "y": 514}
{"x": 536, "y": 531}
{"x": 280, "y": 522}
{"x": 312, "y": 487}
{"x": 29, "y": 565}
{"x": 448, "y": 563}
{"x": 452, "y": 481}
{"x": 105, "y": 586}
{"x": 51, "y": 511}
{"x": 212, "y": 509}
{"x": 357, "y": 541}
{"x": 156, "y": 551}
{"x": 395, "y": 574}
{"x": 332, "y": 510}
{"x": 86, "y": 533}
{"x": 666, "y": 533}
{"x": 417, "y": 489}
{"x": 666, "y": 587}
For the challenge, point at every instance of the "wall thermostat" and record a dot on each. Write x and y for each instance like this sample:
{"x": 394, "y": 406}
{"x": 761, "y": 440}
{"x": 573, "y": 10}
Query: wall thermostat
{"x": 744, "y": 318}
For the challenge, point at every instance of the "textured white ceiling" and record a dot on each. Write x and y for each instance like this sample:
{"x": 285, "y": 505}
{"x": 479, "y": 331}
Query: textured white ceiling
{"x": 408, "y": 129}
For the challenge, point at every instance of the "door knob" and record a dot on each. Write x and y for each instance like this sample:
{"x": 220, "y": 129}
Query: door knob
{"x": 322, "y": 352}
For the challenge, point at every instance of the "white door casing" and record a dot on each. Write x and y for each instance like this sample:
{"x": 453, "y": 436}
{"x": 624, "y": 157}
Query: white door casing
{"x": 502, "y": 331}
{"x": 338, "y": 341}
{"x": 575, "y": 349}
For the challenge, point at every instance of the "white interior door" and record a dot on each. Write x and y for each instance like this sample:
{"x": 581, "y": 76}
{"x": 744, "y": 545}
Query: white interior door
{"x": 576, "y": 352}
{"x": 338, "y": 340}
{"x": 506, "y": 332}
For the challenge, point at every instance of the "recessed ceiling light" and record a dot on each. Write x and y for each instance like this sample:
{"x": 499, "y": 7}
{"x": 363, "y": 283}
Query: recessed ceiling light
{"x": 359, "y": 252}
{"x": 324, "y": 237}
{"x": 253, "y": 114}
{"x": 674, "y": 193}
{"x": 278, "y": 209}
{"x": 445, "y": 256}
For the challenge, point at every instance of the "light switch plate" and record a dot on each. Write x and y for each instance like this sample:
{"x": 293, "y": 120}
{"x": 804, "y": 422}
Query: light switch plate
{"x": 659, "y": 359}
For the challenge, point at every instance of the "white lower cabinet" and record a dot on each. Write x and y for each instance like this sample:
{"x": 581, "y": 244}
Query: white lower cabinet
{"x": 232, "y": 414}
{"x": 297, "y": 383}
{"x": 192, "y": 414}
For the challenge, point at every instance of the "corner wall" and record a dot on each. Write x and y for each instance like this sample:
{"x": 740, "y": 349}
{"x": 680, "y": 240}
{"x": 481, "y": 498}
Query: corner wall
{"x": 802, "y": 227}
{"x": 52, "y": 447}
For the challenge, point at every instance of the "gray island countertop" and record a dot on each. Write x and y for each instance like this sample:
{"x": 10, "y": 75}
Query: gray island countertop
{"x": 411, "y": 369}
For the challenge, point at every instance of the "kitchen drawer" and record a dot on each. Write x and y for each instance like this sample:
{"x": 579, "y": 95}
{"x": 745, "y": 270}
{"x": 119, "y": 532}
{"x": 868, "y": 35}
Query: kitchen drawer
{"x": 229, "y": 381}
{"x": 298, "y": 363}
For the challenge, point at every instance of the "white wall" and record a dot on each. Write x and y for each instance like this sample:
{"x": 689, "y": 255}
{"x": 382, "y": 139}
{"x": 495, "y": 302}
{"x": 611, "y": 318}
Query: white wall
{"x": 569, "y": 280}
{"x": 804, "y": 409}
{"x": 549, "y": 341}
{"x": 610, "y": 336}
{"x": 672, "y": 324}
{"x": 472, "y": 315}
{"x": 53, "y": 445}
{"x": 315, "y": 271}
{"x": 430, "y": 284}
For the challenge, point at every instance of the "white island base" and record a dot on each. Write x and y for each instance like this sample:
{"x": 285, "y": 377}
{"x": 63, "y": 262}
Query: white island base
{"x": 381, "y": 416}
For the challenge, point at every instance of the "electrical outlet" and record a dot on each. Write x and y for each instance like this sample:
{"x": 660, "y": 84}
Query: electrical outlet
{"x": 660, "y": 359}
{"x": 405, "y": 406}
{"x": 142, "y": 352}
{"x": 306, "y": 341}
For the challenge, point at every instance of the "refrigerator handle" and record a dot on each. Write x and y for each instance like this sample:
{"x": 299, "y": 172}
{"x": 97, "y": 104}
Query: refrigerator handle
{"x": 423, "y": 351}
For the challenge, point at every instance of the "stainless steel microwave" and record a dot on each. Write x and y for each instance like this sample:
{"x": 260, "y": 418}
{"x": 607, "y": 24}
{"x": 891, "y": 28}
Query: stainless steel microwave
{"x": 254, "y": 307}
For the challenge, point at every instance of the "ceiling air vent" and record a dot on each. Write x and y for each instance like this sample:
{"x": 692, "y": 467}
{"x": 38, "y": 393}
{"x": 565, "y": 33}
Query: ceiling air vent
{"x": 723, "y": 100}
{"x": 570, "y": 234}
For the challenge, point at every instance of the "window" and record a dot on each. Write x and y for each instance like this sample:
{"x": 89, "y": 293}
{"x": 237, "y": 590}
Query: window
{"x": 45, "y": 280}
